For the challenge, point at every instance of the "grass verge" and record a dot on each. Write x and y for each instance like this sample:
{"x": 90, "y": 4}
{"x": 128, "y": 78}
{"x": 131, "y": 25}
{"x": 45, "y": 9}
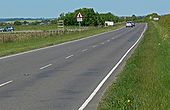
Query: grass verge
{"x": 34, "y": 43}
{"x": 144, "y": 84}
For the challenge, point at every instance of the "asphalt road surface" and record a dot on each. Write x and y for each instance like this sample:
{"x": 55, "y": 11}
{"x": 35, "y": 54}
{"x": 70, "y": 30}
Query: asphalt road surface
{"x": 62, "y": 77}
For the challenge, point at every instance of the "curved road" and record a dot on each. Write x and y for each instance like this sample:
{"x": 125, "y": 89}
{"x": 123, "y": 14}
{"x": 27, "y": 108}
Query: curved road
{"x": 62, "y": 77}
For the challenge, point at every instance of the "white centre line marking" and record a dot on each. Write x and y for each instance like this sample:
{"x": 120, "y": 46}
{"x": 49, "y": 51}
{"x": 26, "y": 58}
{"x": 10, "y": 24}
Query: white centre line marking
{"x": 108, "y": 40}
{"x": 94, "y": 46}
{"x": 102, "y": 43}
{"x": 31, "y": 51}
{"x": 45, "y": 66}
{"x": 113, "y": 38}
{"x": 69, "y": 56}
{"x": 6, "y": 83}
{"x": 84, "y": 50}
{"x": 83, "y": 106}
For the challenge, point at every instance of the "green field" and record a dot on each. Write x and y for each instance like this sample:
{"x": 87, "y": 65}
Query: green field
{"x": 38, "y": 42}
{"x": 144, "y": 84}
{"x": 43, "y": 27}
{"x": 35, "y": 27}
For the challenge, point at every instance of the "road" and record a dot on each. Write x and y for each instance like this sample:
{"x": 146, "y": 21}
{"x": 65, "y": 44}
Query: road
{"x": 62, "y": 77}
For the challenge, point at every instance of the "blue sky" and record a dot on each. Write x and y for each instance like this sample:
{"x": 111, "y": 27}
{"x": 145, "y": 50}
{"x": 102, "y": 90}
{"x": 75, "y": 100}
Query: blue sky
{"x": 52, "y": 8}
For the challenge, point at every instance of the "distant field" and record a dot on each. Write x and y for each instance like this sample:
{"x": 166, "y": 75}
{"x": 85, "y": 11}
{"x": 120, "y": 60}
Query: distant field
{"x": 30, "y": 43}
{"x": 35, "y": 27}
{"x": 43, "y": 27}
{"x": 144, "y": 84}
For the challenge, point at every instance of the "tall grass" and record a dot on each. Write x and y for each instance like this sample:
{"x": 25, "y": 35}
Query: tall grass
{"x": 165, "y": 24}
{"x": 165, "y": 21}
{"x": 144, "y": 84}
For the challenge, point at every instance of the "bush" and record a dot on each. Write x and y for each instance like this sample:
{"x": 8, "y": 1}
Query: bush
{"x": 17, "y": 23}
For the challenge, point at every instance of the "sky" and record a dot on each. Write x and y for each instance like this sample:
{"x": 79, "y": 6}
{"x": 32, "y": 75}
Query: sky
{"x": 53, "y": 8}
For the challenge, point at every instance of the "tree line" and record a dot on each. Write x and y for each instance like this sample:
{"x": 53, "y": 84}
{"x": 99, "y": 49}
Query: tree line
{"x": 90, "y": 17}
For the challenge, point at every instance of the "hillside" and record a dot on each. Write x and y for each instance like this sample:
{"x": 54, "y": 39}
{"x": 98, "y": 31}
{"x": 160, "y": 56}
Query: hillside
{"x": 165, "y": 21}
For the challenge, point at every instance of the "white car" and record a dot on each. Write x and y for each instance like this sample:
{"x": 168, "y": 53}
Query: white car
{"x": 133, "y": 24}
{"x": 1, "y": 29}
{"x": 130, "y": 24}
{"x": 9, "y": 29}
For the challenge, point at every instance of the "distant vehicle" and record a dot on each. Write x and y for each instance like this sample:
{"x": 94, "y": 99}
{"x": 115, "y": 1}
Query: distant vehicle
{"x": 130, "y": 24}
{"x": 1, "y": 29}
{"x": 133, "y": 24}
{"x": 9, "y": 29}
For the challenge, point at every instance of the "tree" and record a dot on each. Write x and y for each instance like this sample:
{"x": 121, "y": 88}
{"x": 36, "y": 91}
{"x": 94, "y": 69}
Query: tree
{"x": 25, "y": 22}
{"x": 134, "y": 18}
{"x": 61, "y": 15}
{"x": 90, "y": 17}
{"x": 151, "y": 16}
{"x": 17, "y": 23}
{"x": 54, "y": 21}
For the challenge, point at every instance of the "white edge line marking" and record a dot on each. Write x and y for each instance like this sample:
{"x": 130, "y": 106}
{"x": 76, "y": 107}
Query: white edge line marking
{"x": 69, "y": 56}
{"x": 45, "y": 66}
{"x": 22, "y": 53}
{"x": 103, "y": 43}
{"x": 84, "y": 50}
{"x": 109, "y": 74}
{"x": 6, "y": 83}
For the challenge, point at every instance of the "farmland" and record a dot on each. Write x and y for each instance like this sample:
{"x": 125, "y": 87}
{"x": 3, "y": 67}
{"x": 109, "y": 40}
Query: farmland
{"x": 19, "y": 42}
{"x": 32, "y": 33}
{"x": 35, "y": 27}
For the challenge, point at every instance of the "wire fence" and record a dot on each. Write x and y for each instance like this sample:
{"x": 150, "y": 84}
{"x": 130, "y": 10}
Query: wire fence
{"x": 20, "y": 35}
